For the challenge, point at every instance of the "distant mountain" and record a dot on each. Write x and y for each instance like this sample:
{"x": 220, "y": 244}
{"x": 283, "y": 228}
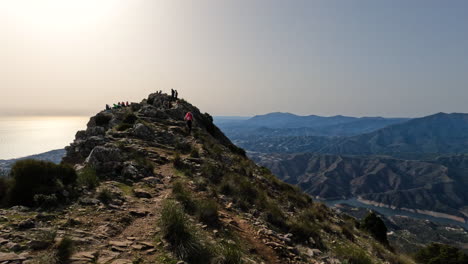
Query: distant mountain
{"x": 433, "y": 186}
{"x": 439, "y": 133}
{"x": 284, "y": 132}
{"x": 54, "y": 156}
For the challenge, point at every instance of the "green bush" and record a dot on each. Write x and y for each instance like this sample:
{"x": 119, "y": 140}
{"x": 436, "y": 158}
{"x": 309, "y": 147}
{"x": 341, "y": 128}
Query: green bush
{"x": 183, "y": 240}
{"x": 105, "y": 196}
{"x": 183, "y": 147}
{"x": 130, "y": 118}
{"x": 230, "y": 254}
{"x": 274, "y": 215}
{"x": 346, "y": 231}
{"x": 183, "y": 195}
{"x": 88, "y": 178}
{"x": 212, "y": 172}
{"x": 5, "y": 184}
{"x": 436, "y": 253}
{"x": 32, "y": 177}
{"x": 353, "y": 255}
{"x": 65, "y": 250}
{"x": 303, "y": 230}
{"x": 207, "y": 212}
{"x": 376, "y": 227}
{"x": 46, "y": 201}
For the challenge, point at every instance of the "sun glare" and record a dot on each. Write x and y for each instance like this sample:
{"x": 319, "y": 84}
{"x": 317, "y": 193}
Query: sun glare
{"x": 56, "y": 15}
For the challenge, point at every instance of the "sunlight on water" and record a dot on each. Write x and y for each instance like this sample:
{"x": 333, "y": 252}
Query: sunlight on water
{"x": 23, "y": 136}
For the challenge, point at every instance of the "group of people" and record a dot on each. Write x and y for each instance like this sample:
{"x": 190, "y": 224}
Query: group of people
{"x": 174, "y": 94}
{"x": 118, "y": 105}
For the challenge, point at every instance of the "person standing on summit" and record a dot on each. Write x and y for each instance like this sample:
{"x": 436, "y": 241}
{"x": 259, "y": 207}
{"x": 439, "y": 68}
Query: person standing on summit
{"x": 188, "y": 120}
{"x": 172, "y": 94}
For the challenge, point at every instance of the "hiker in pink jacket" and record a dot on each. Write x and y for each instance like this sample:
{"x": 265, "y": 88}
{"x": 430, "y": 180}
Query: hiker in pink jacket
{"x": 188, "y": 119}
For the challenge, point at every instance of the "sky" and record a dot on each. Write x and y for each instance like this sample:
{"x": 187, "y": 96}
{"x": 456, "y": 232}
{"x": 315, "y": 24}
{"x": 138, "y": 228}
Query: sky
{"x": 389, "y": 58}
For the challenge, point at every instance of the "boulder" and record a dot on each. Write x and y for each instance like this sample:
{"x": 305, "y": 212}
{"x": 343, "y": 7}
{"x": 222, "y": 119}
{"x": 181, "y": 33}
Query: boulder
{"x": 101, "y": 154}
{"x": 143, "y": 132}
{"x": 6, "y": 257}
{"x": 140, "y": 193}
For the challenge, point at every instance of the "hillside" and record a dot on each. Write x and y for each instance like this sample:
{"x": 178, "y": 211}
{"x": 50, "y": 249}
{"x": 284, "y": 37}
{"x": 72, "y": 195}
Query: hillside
{"x": 439, "y": 133}
{"x": 147, "y": 192}
{"x": 435, "y": 186}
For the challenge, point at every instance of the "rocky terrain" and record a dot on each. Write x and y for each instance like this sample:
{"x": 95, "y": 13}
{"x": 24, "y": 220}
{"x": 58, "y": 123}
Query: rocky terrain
{"x": 150, "y": 193}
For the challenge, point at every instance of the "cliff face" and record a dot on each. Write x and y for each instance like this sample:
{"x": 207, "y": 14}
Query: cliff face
{"x": 151, "y": 193}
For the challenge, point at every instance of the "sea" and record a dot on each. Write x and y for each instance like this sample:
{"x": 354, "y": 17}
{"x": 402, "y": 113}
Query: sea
{"x": 22, "y": 136}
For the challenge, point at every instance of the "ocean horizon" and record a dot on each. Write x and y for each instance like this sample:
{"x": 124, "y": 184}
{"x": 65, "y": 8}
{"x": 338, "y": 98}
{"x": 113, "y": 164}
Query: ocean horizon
{"x": 22, "y": 136}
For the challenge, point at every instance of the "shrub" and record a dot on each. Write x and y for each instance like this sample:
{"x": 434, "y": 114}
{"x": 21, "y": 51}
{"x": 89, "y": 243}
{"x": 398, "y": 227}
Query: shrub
{"x": 200, "y": 184}
{"x": 102, "y": 119}
{"x": 230, "y": 254}
{"x": 207, "y": 212}
{"x": 195, "y": 153}
{"x": 347, "y": 233}
{"x": 304, "y": 230}
{"x": 123, "y": 127}
{"x": 105, "y": 196}
{"x": 275, "y": 216}
{"x": 5, "y": 185}
{"x": 130, "y": 118}
{"x": 177, "y": 162}
{"x": 65, "y": 249}
{"x": 183, "y": 240}
{"x": 211, "y": 172}
{"x": 237, "y": 150}
{"x": 436, "y": 253}
{"x": 46, "y": 201}
{"x": 32, "y": 177}
{"x": 184, "y": 196}
{"x": 376, "y": 227}
{"x": 183, "y": 147}
{"x": 352, "y": 255}
{"x": 88, "y": 178}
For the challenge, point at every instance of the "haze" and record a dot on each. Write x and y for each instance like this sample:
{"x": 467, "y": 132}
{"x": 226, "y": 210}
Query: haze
{"x": 389, "y": 58}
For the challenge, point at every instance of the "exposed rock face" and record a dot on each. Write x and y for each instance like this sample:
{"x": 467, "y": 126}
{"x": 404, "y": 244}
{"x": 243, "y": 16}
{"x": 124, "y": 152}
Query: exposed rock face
{"x": 143, "y": 132}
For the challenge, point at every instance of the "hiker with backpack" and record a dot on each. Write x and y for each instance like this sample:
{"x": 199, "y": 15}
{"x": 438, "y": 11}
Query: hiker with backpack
{"x": 188, "y": 120}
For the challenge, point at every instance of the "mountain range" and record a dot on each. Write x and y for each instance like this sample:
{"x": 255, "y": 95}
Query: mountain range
{"x": 431, "y": 187}
{"x": 435, "y": 134}
{"x": 414, "y": 164}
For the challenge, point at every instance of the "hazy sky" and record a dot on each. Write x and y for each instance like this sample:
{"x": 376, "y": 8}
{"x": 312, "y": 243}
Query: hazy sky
{"x": 239, "y": 57}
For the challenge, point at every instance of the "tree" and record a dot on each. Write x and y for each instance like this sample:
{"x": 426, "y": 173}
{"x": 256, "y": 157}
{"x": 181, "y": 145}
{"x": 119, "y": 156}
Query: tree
{"x": 376, "y": 227}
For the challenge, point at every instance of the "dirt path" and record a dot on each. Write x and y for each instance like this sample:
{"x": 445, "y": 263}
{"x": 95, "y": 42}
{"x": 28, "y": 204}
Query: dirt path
{"x": 247, "y": 232}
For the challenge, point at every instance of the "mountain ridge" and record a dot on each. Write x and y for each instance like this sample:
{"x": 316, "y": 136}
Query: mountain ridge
{"x": 147, "y": 191}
